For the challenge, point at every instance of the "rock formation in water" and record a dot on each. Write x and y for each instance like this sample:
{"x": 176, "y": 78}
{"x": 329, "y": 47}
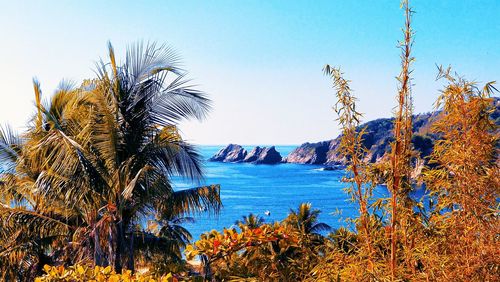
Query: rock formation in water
{"x": 268, "y": 156}
{"x": 253, "y": 155}
{"x": 232, "y": 153}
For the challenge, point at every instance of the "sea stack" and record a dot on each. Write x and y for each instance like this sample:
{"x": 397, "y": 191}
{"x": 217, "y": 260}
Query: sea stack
{"x": 232, "y": 153}
{"x": 268, "y": 156}
{"x": 253, "y": 155}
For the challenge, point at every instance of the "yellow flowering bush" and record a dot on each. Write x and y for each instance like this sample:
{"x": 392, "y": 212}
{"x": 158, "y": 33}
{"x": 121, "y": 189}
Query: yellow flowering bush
{"x": 96, "y": 274}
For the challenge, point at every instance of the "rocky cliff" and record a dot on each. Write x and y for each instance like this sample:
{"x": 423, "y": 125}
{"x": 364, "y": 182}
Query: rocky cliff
{"x": 377, "y": 141}
{"x": 310, "y": 153}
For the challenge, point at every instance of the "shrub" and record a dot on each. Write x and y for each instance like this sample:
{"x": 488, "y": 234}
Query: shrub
{"x": 97, "y": 274}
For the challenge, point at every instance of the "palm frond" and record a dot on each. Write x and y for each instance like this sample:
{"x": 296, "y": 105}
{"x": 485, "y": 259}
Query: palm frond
{"x": 179, "y": 102}
{"x": 53, "y": 111}
{"x": 320, "y": 227}
{"x": 179, "y": 158}
{"x": 194, "y": 200}
{"x": 10, "y": 147}
{"x": 34, "y": 222}
{"x": 38, "y": 103}
{"x": 146, "y": 59}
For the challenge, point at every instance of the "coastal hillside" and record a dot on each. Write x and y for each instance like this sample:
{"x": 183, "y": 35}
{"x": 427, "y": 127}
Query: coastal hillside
{"x": 377, "y": 140}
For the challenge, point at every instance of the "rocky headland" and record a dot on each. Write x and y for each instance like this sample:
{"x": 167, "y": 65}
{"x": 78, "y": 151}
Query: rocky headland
{"x": 376, "y": 140}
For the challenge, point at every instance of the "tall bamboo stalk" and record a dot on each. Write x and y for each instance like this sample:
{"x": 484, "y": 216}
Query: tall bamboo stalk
{"x": 352, "y": 149}
{"x": 400, "y": 153}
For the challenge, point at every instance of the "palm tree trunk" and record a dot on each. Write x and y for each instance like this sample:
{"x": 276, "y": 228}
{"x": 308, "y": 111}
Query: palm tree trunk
{"x": 119, "y": 247}
{"x": 207, "y": 269}
{"x": 111, "y": 247}
{"x": 130, "y": 264}
{"x": 98, "y": 258}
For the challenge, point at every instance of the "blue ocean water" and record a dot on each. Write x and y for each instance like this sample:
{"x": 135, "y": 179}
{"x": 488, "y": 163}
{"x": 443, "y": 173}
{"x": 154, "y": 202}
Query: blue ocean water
{"x": 248, "y": 188}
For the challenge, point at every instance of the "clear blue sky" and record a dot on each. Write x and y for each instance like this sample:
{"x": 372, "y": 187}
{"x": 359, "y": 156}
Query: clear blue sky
{"x": 260, "y": 61}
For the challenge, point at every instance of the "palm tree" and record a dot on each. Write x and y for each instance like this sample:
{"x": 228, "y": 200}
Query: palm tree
{"x": 173, "y": 230}
{"x": 251, "y": 221}
{"x": 101, "y": 157}
{"x": 164, "y": 238}
{"x": 305, "y": 219}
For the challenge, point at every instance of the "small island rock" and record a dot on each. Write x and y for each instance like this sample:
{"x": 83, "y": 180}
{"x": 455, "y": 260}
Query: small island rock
{"x": 253, "y": 155}
{"x": 230, "y": 154}
{"x": 268, "y": 156}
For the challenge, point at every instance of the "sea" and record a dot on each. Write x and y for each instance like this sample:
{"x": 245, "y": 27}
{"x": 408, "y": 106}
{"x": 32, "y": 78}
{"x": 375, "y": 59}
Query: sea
{"x": 270, "y": 191}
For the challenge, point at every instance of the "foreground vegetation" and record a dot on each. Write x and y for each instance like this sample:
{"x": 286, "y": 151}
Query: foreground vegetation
{"x": 97, "y": 159}
{"x": 98, "y": 274}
